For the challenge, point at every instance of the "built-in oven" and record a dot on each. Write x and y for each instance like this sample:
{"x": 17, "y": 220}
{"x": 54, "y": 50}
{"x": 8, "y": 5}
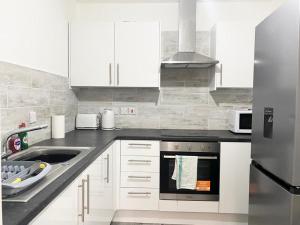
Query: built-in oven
{"x": 208, "y": 170}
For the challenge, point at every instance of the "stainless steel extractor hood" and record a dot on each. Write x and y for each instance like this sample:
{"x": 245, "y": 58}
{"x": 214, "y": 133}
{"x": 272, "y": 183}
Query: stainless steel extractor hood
{"x": 187, "y": 57}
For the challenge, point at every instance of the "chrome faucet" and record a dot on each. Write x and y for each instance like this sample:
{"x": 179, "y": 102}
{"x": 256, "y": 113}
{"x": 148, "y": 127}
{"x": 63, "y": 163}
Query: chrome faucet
{"x": 4, "y": 149}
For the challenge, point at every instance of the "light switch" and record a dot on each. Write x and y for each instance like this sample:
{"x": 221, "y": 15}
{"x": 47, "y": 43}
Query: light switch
{"x": 32, "y": 117}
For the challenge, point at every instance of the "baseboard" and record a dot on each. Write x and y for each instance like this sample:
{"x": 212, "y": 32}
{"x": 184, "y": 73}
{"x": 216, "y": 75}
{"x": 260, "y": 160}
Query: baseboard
{"x": 180, "y": 218}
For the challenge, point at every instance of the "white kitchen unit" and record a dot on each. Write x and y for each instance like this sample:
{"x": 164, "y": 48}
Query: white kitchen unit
{"x": 139, "y": 179}
{"x": 63, "y": 210}
{"x": 91, "y": 53}
{"x": 234, "y": 177}
{"x": 124, "y": 54}
{"x": 100, "y": 202}
{"x": 88, "y": 200}
{"x": 137, "y": 54}
{"x": 232, "y": 43}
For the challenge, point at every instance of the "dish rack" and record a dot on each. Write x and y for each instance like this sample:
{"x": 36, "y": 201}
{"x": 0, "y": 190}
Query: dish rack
{"x": 18, "y": 176}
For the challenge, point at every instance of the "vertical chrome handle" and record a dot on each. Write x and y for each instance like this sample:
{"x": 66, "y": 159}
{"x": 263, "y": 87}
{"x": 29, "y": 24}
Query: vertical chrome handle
{"x": 221, "y": 74}
{"x": 110, "y": 80}
{"x": 118, "y": 74}
{"x": 107, "y": 169}
{"x": 82, "y": 200}
{"x": 88, "y": 194}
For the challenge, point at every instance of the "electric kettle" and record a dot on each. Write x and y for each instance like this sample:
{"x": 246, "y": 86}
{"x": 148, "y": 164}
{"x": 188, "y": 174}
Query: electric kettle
{"x": 108, "y": 119}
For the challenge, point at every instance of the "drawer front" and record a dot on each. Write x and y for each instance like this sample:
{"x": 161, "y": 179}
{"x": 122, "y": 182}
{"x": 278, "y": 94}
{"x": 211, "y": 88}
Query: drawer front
{"x": 142, "y": 148}
{"x": 139, "y": 164}
{"x": 139, "y": 180}
{"x": 134, "y": 198}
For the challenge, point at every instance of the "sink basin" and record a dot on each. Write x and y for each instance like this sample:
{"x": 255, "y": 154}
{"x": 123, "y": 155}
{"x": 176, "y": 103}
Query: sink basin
{"x": 60, "y": 157}
{"x": 49, "y": 155}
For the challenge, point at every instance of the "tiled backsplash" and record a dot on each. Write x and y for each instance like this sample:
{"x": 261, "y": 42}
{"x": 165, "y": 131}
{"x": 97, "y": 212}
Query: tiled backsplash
{"x": 23, "y": 90}
{"x": 183, "y": 102}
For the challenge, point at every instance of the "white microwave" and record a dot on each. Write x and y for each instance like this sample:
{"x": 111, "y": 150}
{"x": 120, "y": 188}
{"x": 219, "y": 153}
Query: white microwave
{"x": 240, "y": 121}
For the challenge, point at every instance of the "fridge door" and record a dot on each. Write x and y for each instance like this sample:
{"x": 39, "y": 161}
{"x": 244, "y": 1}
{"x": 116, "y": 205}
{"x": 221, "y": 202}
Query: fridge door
{"x": 276, "y": 122}
{"x": 271, "y": 204}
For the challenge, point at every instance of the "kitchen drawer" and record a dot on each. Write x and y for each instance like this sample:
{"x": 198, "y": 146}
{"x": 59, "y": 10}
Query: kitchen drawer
{"x": 139, "y": 198}
{"x": 139, "y": 180}
{"x": 140, "y": 164}
{"x": 142, "y": 148}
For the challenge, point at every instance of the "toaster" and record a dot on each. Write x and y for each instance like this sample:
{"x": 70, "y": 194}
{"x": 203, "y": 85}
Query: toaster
{"x": 88, "y": 121}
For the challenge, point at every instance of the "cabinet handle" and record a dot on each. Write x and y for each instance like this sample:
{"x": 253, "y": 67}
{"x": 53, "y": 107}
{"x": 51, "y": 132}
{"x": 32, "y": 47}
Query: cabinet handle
{"x": 82, "y": 200}
{"x": 118, "y": 74}
{"x": 139, "y": 161}
{"x": 139, "y": 193}
{"x": 107, "y": 168}
{"x": 88, "y": 194}
{"x": 139, "y": 145}
{"x": 221, "y": 74}
{"x": 199, "y": 157}
{"x": 139, "y": 177}
{"x": 110, "y": 80}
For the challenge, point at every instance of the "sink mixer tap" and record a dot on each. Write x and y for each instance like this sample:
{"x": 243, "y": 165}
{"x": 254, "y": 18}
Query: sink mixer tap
{"x": 4, "y": 149}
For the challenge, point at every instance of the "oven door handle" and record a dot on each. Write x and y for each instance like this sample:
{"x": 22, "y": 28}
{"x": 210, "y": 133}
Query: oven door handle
{"x": 199, "y": 157}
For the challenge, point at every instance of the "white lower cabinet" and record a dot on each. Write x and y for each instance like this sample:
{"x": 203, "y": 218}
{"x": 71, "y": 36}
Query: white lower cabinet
{"x": 88, "y": 200}
{"x": 63, "y": 210}
{"x": 234, "y": 177}
{"x": 139, "y": 175}
{"x": 100, "y": 191}
{"x": 129, "y": 180}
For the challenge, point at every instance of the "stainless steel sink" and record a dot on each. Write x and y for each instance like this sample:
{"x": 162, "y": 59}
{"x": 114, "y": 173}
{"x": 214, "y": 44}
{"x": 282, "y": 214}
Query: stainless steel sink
{"x": 61, "y": 159}
{"x": 52, "y": 155}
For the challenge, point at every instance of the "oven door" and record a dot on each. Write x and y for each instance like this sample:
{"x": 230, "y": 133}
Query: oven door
{"x": 208, "y": 173}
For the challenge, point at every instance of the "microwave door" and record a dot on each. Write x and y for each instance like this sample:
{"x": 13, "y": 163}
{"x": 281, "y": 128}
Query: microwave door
{"x": 245, "y": 121}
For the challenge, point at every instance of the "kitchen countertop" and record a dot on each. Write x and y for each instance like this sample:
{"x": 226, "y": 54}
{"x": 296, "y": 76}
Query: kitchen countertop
{"x": 23, "y": 213}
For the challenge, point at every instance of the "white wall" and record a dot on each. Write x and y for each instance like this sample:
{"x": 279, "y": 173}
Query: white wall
{"x": 34, "y": 33}
{"x": 208, "y": 12}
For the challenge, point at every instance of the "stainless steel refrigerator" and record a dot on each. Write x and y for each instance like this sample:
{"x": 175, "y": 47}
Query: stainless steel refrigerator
{"x": 275, "y": 170}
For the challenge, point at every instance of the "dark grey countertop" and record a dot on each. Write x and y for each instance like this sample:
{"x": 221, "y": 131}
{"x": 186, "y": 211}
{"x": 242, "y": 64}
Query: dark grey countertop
{"x": 23, "y": 213}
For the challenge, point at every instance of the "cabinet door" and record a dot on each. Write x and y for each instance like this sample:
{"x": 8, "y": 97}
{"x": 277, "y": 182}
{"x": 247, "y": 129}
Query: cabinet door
{"x": 100, "y": 190}
{"x": 63, "y": 210}
{"x": 234, "y": 48}
{"x": 91, "y": 53}
{"x": 234, "y": 177}
{"x": 95, "y": 194}
{"x": 137, "y": 54}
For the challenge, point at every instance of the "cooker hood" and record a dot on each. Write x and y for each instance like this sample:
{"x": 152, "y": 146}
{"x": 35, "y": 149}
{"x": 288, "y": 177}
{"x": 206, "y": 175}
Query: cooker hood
{"x": 187, "y": 57}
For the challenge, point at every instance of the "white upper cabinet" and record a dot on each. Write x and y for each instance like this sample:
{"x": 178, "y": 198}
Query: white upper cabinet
{"x": 125, "y": 54}
{"x": 232, "y": 43}
{"x": 91, "y": 53}
{"x": 137, "y": 54}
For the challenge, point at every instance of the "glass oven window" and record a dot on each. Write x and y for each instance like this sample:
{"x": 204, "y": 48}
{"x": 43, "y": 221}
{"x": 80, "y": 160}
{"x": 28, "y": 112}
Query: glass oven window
{"x": 207, "y": 175}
